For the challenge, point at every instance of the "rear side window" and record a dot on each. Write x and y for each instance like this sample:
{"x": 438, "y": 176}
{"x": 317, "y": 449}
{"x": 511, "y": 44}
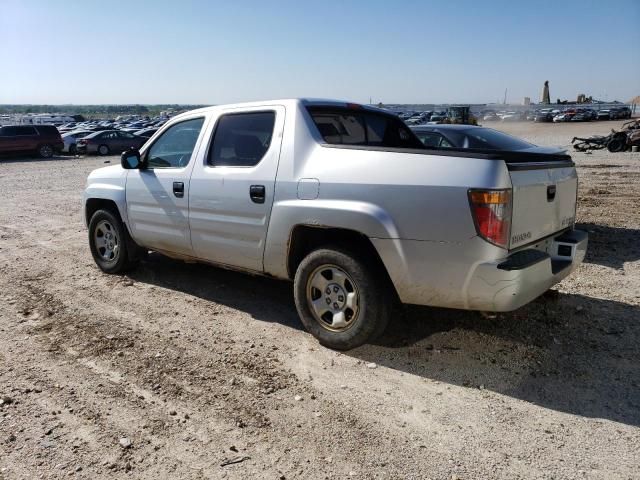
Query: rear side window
{"x": 241, "y": 139}
{"x": 337, "y": 128}
{"x": 173, "y": 149}
{"x": 360, "y": 127}
{"x": 47, "y": 130}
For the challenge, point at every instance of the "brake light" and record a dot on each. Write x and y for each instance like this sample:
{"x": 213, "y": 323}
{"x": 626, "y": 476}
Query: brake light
{"x": 491, "y": 210}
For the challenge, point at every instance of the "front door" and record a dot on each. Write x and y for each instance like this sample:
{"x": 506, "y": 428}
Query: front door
{"x": 232, "y": 190}
{"x": 158, "y": 194}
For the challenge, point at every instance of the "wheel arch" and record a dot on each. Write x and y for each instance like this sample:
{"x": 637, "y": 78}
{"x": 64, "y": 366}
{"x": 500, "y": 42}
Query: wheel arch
{"x": 92, "y": 205}
{"x": 304, "y": 239}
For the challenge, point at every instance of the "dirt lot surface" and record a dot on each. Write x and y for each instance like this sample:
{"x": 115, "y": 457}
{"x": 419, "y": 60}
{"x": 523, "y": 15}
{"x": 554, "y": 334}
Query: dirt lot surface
{"x": 187, "y": 371}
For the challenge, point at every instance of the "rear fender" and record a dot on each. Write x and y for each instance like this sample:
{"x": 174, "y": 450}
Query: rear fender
{"x": 362, "y": 217}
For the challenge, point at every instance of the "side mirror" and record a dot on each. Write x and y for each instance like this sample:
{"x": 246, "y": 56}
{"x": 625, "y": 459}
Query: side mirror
{"x": 130, "y": 159}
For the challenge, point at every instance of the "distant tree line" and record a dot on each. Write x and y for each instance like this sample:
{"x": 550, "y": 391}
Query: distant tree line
{"x": 95, "y": 110}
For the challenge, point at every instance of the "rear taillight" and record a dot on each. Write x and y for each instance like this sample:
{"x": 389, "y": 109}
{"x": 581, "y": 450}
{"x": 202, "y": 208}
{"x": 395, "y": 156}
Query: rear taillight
{"x": 491, "y": 210}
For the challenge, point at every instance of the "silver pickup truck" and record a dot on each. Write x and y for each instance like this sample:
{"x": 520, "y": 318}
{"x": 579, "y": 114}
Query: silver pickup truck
{"x": 345, "y": 201}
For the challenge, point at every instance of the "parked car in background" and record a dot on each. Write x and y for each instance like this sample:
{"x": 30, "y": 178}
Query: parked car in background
{"x": 43, "y": 140}
{"x": 70, "y": 140}
{"x": 146, "y": 132}
{"x": 436, "y": 118}
{"x": 604, "y": 115}
{"x": 473, "y": 137}
{"x": 562, "y": 117}
{"x": 543, "y": 116}
{"x": 617, "y": 113}
{"x": 67, "y": 127}
{"x": 491, "y": 117}
{"x": 624, "y": 112}
{"x": 511, "y": 116}
{"x": 110, "y": 141}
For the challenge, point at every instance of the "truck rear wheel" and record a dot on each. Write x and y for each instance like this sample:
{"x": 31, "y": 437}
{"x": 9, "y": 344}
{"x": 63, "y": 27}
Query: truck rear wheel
{"x": 109, "y": 242}
{"x": 340, "y": 299}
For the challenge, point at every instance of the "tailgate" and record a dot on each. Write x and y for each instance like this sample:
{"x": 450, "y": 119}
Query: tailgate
{"x": 544, "y": 201}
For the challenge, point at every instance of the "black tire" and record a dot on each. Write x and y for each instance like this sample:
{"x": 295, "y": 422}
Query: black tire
{"x": 123, "y": 259}
{"x": 72, "y": 149}
{"x": 618, "y": 143}
{"x": 103, "y": 150}
{"x": 45, "y": 151}
{"x": 374, "y": 298}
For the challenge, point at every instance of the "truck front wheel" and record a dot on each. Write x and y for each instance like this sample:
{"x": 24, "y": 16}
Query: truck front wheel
{"x": 109, "y": 242}
{"x": 341, "y": 300}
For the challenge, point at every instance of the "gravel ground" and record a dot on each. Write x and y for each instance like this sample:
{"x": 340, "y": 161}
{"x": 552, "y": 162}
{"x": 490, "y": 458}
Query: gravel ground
{"x": 187, "y": 371}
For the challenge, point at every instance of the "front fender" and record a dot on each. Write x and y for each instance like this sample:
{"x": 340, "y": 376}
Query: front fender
{"x": 106, "y": 191}
{"x": 363, "y": 217}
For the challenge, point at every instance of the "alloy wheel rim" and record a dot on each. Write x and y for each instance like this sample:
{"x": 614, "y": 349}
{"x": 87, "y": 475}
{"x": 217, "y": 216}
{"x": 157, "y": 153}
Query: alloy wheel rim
{"x": 45, "y": 150}
{"x": 333, "y": 298}
{"x": 106, "y": 241}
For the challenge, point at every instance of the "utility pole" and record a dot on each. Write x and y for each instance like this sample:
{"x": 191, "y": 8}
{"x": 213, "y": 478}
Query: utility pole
{"x": 505, "y": 97}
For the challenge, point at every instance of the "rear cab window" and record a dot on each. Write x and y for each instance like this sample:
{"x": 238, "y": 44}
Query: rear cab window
{"x": 346, "y": 126}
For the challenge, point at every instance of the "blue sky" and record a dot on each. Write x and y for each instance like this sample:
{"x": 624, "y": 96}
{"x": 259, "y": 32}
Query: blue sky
{"x": 192, "y": 51}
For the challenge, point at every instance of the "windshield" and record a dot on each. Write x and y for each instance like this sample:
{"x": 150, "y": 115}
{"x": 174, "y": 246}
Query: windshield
{"x": 486, "y": 138}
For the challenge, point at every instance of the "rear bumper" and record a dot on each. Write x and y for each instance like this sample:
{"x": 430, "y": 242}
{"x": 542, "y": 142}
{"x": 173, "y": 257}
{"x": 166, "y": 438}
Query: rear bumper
{"x": 84, "y": 149}
{"x": 453, "y": 274}
{"x": 507, "y": 284}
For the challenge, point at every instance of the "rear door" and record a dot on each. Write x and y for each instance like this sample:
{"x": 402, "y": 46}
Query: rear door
{"x": 21, "y": 138}
{"x": 544, "y": 201}
{"x": 232, "y": 192}
{"x": 158, "y": 195}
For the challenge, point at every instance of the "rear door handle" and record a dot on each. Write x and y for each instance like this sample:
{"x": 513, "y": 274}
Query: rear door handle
{"x": 178, "y": 189}
{"x": 257, "y": 193}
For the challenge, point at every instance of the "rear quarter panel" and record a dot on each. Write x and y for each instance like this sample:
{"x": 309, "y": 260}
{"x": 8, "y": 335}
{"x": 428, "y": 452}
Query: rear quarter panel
{"x": 385, "y": 195}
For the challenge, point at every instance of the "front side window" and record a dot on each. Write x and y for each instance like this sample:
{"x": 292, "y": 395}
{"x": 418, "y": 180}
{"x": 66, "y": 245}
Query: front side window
{"x": 173, "y": 149}
{"x": 241, "y": 139}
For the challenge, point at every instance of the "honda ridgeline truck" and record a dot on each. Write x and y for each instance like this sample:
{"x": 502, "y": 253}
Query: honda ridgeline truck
{"x": 347, "y": 203}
